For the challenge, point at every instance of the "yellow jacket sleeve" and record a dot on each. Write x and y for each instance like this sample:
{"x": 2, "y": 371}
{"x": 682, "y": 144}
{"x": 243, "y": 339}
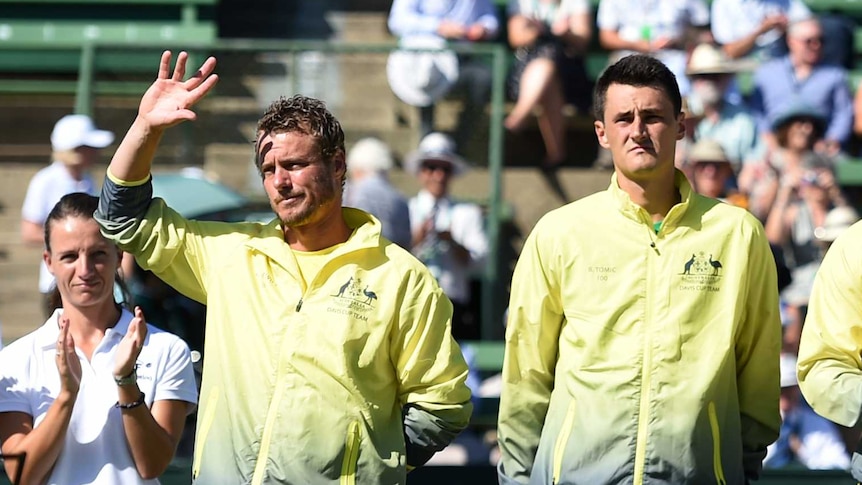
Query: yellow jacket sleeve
{"x": 758, "y": 345}
{"x": 830, "y": 352}
{"x": 532, "y": 340}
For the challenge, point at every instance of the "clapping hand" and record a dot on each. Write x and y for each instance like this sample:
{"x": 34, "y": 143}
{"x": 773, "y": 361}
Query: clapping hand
{"x": 169, "y": 99}
{"x": 131, "y": 345}
{"x": 68, "y": 363}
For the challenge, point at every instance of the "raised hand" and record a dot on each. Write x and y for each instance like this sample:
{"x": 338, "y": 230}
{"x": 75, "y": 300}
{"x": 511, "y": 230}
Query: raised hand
{"x": 68, "y": 363}
{"x": 169, "y": 99}
{"x": 131, "y": 345}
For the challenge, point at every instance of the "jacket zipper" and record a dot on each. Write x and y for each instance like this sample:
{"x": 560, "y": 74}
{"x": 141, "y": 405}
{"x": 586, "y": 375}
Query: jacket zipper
{"x": 562, "y": 440}
{"x": 716, "y": 445}
{"x": 206, "y": 425}
{"x": 351, "y": 455}
{"x": 646, "y": 383}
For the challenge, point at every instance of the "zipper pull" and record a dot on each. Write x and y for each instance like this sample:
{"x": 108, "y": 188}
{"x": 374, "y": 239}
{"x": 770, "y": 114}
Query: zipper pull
{"x": 299, "y": 305}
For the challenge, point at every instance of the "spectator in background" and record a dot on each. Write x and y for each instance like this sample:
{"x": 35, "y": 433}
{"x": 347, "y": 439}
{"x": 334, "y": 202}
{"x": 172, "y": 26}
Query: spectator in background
{"x": 549, "y": 38}
{"x": 730, "y": 124}
{"x": 806, "y": 438}
{"x": 662, "y": 28}
{"x": 448, "y": 235}
{"x": 416, "y": 21}
{"x": 796, "y": 131}
{"x": 713, "y": 174}
{"x": 368, "y": 188}
{"x": 96, "y": 395}
{"x": 755, "y": 28}
{"x": 75, "y": 144}
{"x": 801, "y": 77}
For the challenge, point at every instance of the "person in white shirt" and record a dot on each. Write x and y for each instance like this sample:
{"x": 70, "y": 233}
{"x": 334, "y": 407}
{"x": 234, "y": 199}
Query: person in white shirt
{"x": 754, "y": 28}
{"x": 96, "y": 395}
{"x": 448, "y": 235}
{"x": 75, "y": 142}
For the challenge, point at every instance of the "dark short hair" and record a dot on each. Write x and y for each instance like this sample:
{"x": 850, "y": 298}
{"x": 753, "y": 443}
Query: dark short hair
{"x": 304, "y": 115}
{"x": 637, "y": 70}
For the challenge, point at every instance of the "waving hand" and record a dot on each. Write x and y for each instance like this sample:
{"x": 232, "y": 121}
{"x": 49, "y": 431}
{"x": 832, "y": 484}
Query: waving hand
{"x": 169, "y": 100}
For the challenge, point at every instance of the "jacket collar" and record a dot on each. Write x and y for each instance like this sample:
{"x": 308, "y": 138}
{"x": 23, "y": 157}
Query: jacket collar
{"x": 366, "y": 234}
{"x": 637, "y": 213}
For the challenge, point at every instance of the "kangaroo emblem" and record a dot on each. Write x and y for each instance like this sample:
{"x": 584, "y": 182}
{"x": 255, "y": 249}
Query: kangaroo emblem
{"x": 369, "y": 295}
{"x": 688, "y": 265}
{"x": 344, "y": 287}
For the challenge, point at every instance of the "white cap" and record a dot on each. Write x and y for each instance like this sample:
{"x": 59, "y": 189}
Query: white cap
{"x": 435, "y": 146}
{"x": 837, "y": 220}
{"x": 73, "y": 131}
{"x": 369, "y": 154}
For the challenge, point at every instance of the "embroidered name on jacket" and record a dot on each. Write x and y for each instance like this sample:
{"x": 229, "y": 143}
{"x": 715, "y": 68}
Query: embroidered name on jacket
{"x": 700, "y": 272}
{"x": 353, "y": 298}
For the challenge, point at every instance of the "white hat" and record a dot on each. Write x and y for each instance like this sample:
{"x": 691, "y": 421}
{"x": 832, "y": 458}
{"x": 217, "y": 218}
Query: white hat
{"x": 837, "y": 220}
{"x": 369, "y": 154}
{"x": 709, "y": 59}
{"x": 73, "y": 131}
{"x": 435, "y": 146}
{"x": 707, "y": 150}
{"x": 421, "y": 78}
{"x": 787, "y": 370}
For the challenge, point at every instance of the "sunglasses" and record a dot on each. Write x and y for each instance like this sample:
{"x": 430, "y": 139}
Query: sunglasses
{"x": 812, "y": 41}
{"x": 434, "y": 167}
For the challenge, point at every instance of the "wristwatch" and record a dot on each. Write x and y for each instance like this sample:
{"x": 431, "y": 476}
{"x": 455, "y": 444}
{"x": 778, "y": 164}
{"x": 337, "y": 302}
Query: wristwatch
{"x": 127, "y": 380}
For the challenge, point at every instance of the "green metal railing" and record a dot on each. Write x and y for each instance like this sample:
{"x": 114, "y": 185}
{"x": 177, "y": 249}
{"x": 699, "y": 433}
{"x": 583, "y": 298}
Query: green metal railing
{"x": 493, "y": 294}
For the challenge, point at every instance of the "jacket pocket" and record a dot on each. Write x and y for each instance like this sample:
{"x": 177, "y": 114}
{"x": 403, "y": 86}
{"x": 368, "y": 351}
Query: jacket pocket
{"x": 562, "y": 440}
{"x": 716, "y": 445}
{"x": 351, "y": 455}
{"x": 206, "y": 425}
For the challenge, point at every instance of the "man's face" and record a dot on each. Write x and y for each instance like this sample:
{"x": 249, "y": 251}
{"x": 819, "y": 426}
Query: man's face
{"x": 641, "y": 129}
{"x": 302, "y": 187}
{"x": 434, "y": 175}
{"x": 805, "y": 43}
{"x": 710, "y": 178}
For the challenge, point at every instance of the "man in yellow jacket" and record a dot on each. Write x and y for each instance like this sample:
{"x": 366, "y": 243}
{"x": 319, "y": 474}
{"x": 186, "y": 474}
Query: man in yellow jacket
{"x": 328, "y": 355}
{"x": 830, "y": 350}
{"x": 643, "y": 337}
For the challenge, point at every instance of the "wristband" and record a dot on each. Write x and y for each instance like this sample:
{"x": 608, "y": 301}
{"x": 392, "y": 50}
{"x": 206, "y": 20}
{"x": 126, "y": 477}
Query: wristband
{"x": 131, "y": 405}
{"x": 127, "y": 380}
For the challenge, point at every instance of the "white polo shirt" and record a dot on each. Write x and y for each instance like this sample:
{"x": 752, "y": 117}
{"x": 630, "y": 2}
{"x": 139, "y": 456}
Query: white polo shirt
{"x": 95, "y": 449}
{"x": 46, "y": 188}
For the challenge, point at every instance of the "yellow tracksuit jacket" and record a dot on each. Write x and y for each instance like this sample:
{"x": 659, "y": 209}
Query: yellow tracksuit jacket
{"x": 830, "y": 352}
{"x": 306, "y": 385}
{"x": 641, "y": 358}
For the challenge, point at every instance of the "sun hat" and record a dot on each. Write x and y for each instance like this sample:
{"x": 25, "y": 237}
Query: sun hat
{"x": 707, "y": 150}
{"x": 798, "y": 109}
{"x": 710, "y": 59}
{"x": 837, "y": 220}
{"x": 435, "y": 146}
{"x": 73, "y": 131}
{"x": 421, "y": 78}
{"x": 371, "y": 154}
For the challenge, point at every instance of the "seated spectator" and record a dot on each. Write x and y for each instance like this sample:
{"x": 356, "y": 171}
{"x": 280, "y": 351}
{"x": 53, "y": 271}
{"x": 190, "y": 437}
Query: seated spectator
{"x": 712, "y": 173}
{"x": 732, "y": 125}
{"x": 448, "y": 235}
{"x": 368, "y": 188}
{"x": 452, "y": 21}
{"x": 801, "y": 77}
{"x": 549, "y": 39}
{"x": 806, "y": 438}
{"x": 754, "y": 28}
{"x": 662, "y": 28}
{"x": 796, "y": 132}
{"x": 803, "y": 199}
